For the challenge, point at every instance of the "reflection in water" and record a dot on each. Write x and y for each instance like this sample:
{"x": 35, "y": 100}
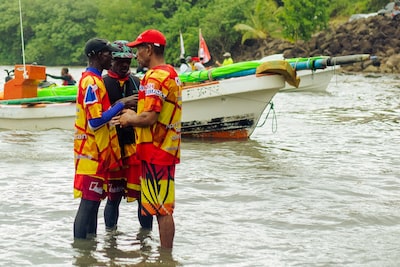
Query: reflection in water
{"x": 118, "y": 249}
{"x": 85, "y": 249}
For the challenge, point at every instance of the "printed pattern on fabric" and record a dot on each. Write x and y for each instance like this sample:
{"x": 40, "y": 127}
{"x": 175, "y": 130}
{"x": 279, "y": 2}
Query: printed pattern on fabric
{"x": 116, "y": 184}
{"x": 89, "y": 187}
{"x": 133, "y": 178}
{"x": 90, "y": 96}
{"x": 95, "y": 150}
{"x": 157, "y": 189}
{"x": 118, "y": 88}
{"x": 160, "y": 91}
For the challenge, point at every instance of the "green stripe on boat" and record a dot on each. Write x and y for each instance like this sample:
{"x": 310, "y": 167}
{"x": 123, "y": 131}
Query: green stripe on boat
{"x": 57, "y": 91}
{"x": 40, "y": 100}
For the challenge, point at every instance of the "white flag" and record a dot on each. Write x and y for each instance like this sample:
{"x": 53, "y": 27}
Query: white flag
{"x": 182, "y": 45}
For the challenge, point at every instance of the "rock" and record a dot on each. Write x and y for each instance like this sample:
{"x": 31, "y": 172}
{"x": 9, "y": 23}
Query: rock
{"x": 376, "y": 35}
{"x": 393, "y": 63}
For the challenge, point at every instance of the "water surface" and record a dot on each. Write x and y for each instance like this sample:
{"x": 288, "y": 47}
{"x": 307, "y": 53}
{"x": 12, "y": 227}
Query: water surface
{"x": 318, "y": 185}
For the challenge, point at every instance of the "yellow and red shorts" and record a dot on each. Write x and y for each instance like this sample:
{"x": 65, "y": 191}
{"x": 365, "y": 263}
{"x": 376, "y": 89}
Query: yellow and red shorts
{"x": 157, "y": 189}
{"x": 133, "y": 178}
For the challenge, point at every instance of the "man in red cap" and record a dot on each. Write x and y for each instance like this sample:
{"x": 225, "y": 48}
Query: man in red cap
{"x": 158, "y": 131}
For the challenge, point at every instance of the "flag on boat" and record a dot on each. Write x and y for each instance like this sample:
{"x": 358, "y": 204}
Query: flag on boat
{"x": 203, "y": 49}
{"x": 182, "y": 45}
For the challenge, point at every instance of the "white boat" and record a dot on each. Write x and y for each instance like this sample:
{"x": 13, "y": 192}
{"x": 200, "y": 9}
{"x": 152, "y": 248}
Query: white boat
{"x": 229, "y": 108}
{"x": 39, "y": 116}
{"x": 226, "y": 108}
{"x": 311, "y": 80}
{"x": 315, "y": 73}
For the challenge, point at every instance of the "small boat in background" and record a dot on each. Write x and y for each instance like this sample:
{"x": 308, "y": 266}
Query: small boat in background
{"x": 22, "y": 108}
{"x": 311, "y": 79}
{"x": 315, "y": 73}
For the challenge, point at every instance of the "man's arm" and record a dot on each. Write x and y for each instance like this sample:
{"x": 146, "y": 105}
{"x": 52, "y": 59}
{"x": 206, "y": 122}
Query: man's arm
{"x": 112, "y": 112}
{"x": 56, "y": 77}
{"x": 106, "y": 116}
{"x": 131, "y": 118}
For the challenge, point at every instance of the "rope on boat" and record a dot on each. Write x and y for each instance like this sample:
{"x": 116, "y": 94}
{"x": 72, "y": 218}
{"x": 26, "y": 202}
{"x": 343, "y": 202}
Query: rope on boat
{"x": 209, "y": 74}
{"x": 334, "y": 73}
{"x": 274, "y": 125}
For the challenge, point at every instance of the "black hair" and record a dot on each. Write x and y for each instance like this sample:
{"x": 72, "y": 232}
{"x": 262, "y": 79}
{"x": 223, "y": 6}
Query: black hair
{"x": 158, "y": 50}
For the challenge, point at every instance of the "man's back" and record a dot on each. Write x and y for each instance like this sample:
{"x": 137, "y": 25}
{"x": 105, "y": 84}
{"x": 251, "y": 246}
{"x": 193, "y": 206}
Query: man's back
{"x": 184, "y": 68}
{"x": 164, "y": 148}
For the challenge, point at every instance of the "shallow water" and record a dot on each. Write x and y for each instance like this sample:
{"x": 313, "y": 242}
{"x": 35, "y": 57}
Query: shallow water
{"x": 316, "y": 186}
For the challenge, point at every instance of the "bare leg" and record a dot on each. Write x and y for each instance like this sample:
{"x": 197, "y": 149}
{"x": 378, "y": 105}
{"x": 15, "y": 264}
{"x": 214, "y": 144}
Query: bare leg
{"x": 166, "y": 228}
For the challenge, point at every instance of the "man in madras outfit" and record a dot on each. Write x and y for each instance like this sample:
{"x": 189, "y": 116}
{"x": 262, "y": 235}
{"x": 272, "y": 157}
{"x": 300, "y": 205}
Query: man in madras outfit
{"x": 158, "y": 131}
{"x": 96, "y": 148}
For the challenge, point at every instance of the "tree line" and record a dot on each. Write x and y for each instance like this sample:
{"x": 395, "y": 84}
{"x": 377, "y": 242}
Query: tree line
{"x": 55, "y": 32}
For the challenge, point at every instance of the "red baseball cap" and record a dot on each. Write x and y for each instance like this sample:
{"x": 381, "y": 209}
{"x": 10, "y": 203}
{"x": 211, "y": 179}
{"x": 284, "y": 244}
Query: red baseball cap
{"x": 150, "y": 36}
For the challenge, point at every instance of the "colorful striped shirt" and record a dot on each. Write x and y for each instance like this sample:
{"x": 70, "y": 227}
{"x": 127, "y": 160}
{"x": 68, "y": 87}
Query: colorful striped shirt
{"x": 96, "y": 150}
{"x": 160, "y": 91}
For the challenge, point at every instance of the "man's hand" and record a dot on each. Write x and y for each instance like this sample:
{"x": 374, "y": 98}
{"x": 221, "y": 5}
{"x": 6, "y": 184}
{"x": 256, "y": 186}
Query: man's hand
{"x": 115, "y": 120}
{"x": 126, "y": 117}
{"x": 130, "y": 101}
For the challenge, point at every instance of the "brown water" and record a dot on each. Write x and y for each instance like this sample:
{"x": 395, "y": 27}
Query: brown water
{"x": 318, "y": 186}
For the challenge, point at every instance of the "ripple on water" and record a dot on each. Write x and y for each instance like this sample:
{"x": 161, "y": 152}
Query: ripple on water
{"x": 321, "y": 190}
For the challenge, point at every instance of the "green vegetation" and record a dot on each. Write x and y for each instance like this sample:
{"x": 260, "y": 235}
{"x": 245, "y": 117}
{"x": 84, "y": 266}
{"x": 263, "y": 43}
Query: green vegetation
{"x": 262, "y": 21}
{"x": 300, "y": 19}
{"x": 55, "y": 31}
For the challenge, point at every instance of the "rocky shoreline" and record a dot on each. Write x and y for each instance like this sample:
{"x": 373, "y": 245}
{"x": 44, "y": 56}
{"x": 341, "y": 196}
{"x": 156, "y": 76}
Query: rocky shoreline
{"x": 377, "y": 36}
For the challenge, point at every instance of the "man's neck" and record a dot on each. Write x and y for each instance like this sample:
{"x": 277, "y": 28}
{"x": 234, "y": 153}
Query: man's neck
{"x": 156, "y": 61}
{"x": 95, "y": 65}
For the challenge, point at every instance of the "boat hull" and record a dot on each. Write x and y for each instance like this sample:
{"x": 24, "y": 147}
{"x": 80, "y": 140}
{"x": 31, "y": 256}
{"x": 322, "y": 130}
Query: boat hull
{"x": 37, "y": 116}
{"x": 313, "y": 80}
{"x": 229, "y": 108}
